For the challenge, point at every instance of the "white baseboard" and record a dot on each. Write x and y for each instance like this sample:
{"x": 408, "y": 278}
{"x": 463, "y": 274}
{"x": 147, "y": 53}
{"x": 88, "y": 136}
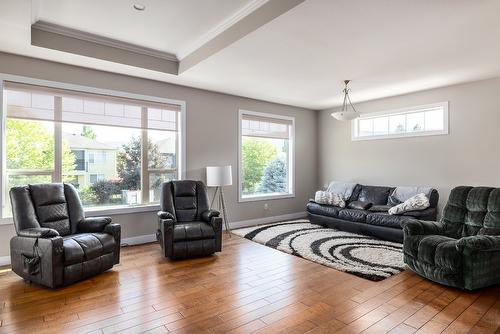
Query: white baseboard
{"x": 4, "y": 260}
{"x": 267, "y": 220}
{"x": 138, "y": 240}
{"x": 147, "y": 238}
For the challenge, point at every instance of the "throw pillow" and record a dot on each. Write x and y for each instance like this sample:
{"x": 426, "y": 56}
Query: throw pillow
{"x": 401, "y": 194}
{"x": 359, "y": 205}
{"x": 343, "y": 188}
{"x": 417, "y": 202}
{"x": 328, "y": 198}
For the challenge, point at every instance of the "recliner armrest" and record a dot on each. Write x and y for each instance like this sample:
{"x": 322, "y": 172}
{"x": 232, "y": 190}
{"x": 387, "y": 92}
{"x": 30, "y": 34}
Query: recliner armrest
{"x": 207, "y": 216}
{"x": 51, "y": 252}
{"x": 93, "y": 224}
{"x": 421, "y": 227}
{"x": 38, "y": 232}
{"x": 479, "y": 243}
{"x": 165, "y": 215}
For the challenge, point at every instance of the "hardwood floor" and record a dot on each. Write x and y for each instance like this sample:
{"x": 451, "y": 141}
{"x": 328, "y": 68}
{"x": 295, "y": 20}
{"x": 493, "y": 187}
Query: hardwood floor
{"x": 247, "y": 288}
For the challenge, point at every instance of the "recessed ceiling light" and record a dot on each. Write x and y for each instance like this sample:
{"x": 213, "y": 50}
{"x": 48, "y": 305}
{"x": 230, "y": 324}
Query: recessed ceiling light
{"x": 139, "y": 6}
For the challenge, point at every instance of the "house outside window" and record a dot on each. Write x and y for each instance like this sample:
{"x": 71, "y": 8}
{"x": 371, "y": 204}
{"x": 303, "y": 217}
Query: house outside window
{"x": 266, "y": 156}
{"x": 79, "y": 159}
{"x": 116, "y": 151}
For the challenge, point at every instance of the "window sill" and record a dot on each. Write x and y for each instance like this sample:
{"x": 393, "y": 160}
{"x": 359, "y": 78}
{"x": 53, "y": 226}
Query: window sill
{"x": 256, "y": 198}
{"x": 121, "y": 210}
{"x": 94, "y": 212}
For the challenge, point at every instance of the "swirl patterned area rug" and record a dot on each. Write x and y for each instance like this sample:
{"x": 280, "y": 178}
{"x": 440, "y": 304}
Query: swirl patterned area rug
{"x": 360, "y": 255}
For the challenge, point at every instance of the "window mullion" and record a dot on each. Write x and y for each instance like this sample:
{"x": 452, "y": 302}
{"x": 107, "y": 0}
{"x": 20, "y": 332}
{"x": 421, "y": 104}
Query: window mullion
{"x": 144, "y": 156}
{"x": 57, "y": 176}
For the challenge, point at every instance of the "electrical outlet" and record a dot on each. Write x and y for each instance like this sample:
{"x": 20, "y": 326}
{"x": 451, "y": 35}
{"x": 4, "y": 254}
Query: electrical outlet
{"x": 266, "y": 206}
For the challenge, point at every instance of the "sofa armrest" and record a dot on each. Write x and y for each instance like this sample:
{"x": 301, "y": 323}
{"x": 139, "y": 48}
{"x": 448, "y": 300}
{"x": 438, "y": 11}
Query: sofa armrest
{"x": 38, "y": 232}
{"x": 421, "y": 227}
{"x": 165, "y": 215}
{"x": 51, "y": 253}
{"x": 165, "y": 235}
{"x": 479, "y": 243}
{"x": 426, "y": 214}
{"x": 116, "y": 231}
{"x": 216, "y": 223}
{"x": 93, "y": 224}
{"x": 207, "y": 215}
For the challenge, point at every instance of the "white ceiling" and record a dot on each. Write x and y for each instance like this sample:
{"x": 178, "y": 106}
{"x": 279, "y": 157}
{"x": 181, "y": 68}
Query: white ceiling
{"x": 165, "y": 25}
{"x": 387, "y": 47}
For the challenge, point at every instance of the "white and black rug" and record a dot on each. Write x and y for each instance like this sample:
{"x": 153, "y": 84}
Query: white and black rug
{"x": 361, "y": 255}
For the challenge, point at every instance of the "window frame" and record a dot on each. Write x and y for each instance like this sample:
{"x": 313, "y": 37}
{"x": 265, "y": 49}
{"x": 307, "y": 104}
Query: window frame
{"x": 291, "y": 158}
{"x": 402, "y": 111}
{"x": 181, "y": 160}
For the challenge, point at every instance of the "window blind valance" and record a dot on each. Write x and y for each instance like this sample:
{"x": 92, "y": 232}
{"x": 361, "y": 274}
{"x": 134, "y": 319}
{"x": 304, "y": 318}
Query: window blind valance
{"x": 264, "y": 127}
{"x": 49, "y": 104}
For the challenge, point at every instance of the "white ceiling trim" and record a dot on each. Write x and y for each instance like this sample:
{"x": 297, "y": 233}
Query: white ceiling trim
{"x": 88, "y": 37}
{"x": 220, "y": 28}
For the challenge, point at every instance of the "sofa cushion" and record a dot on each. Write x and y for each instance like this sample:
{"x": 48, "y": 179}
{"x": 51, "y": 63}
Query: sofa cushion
{"x": 359, "y": 205}
{"x": 354, "y": 215}
{"x": 384, "y": 219}
{"x": 374, "y": 194}
{"x": 324, "y": 210}
{"x": 86, "y": 246}
{"x": 440, "y": 251}
{"x": 193, "y": 231}
{"x": 380, "y": 208}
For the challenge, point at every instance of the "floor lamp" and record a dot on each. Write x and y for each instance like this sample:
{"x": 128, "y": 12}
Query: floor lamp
{"x": 220, "y": 176}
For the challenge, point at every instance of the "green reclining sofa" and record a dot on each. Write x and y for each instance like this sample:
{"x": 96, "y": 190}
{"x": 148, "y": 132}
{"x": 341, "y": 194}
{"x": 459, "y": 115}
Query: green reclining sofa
{"x": 463, "y": 249}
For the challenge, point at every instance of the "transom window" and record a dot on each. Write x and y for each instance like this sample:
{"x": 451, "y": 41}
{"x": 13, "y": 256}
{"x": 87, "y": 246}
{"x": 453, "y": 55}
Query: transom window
{"x": 416, "y": 121}
{"x": 265, "y": 156}
{"x": 116, "y": 151}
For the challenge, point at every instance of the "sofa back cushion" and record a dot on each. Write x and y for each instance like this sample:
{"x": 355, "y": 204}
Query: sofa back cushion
{"x": 374, "y": 194}
{"x": 51, "y": 207}
{"x": 186, "y": 200}
{"x": 491, "y": 225}
{"x": 471, "y": 211}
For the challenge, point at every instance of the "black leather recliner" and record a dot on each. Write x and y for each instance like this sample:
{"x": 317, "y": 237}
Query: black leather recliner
{"x": 71, "y": 247}
{"x": 186, "y": 225}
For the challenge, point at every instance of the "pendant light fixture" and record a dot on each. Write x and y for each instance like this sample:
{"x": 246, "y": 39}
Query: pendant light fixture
{"x": 348, "y": 112}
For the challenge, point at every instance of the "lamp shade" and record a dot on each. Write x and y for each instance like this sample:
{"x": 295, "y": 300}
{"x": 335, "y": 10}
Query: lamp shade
{"x": 218, "y": 176}
{"x": 345, "y": 115}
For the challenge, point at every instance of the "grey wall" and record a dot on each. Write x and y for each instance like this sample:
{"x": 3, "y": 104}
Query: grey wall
{"x": 469, "y": 155}
{"x": 212, "y": 132}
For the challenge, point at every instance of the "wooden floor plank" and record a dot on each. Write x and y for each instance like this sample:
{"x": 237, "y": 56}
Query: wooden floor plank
{"x": 248, "y": 288}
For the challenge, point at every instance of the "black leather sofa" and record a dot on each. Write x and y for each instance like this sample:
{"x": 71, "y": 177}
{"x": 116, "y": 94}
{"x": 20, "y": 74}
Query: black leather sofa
{"x": 374, "y": 221}
{"x": 186, "y": 226}
{"x": 71, "y": 247}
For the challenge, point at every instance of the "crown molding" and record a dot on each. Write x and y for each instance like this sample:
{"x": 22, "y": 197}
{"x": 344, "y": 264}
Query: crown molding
{"x": 223, "y": 26}
{"x": 110, "y": 42}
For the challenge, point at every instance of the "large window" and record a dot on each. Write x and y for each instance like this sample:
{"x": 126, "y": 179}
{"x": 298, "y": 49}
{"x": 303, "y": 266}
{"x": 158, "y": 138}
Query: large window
{"x": 416, "y": 121}
{"x": 116, "y": 151}
{"x": 265, "y": 156}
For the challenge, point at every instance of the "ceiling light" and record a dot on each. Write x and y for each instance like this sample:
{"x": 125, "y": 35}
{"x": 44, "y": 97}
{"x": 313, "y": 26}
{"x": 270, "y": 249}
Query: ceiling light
{"x": 345, "y": 114}
{"x": 139, "y": 6}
